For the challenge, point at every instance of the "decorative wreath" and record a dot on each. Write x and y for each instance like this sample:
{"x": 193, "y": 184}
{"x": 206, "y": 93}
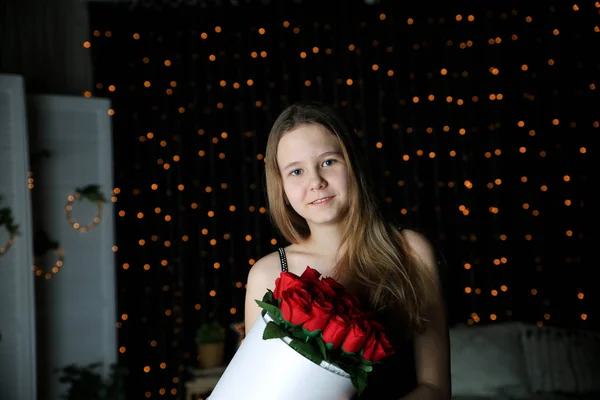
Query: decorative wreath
{"x": 91, "y": 193}
{"x": 41, "y": 245}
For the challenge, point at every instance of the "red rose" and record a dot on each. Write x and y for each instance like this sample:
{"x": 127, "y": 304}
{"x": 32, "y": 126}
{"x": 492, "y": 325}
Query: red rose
{"x": 287, "y": 280}
{"x": 377, "y": 346}
{"x": 335, "y": 331}
{"x": 357, "y": 336}
{"x": 349, "y": 305}
{"x": 366, "y": 314}
{"x": 325, "y": 288}
{"x": 310, "y": 274}
{"x": 349, "y": 301}
{"x": 317, "y": 294}
{"x": 320, "y": 314}
{"x": 335, "y": 285}
{"x": 295, "y": 306}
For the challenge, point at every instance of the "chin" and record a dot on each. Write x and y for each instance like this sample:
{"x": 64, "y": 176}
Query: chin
{"x": 326, "y": 220}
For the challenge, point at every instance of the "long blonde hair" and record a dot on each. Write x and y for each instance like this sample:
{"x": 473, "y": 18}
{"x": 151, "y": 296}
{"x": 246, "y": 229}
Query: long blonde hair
{"x": 375, "y": 256}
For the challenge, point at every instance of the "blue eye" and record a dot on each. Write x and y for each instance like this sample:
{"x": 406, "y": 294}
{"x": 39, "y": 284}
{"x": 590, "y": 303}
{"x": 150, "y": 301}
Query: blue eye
{"x": 295, "y": 172}
{"x": 328, "y": 161}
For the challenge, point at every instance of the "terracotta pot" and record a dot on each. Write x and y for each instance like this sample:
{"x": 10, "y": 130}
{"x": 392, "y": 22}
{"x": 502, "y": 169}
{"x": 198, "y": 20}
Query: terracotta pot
{"x": 211, "y": 355}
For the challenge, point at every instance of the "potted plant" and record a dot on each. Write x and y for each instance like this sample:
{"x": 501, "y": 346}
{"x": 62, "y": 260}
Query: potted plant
{"x": 210, "y": 339}
{"x": 86, "y": 383}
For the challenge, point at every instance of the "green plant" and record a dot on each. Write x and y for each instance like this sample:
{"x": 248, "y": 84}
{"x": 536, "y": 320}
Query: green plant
{"x": 210, "y": 332}
{"x": 6, "y": 219}
{"x": 85, "y": 383}
{"x": 90, "y": 192}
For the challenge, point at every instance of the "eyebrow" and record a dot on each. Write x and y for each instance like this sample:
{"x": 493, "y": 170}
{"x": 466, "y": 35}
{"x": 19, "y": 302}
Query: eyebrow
{"x": 327, "y": 153}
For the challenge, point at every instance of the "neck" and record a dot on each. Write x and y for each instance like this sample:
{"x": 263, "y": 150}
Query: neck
{"x": 324, "y": 240}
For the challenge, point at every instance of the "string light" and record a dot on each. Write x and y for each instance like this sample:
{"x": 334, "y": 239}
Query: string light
{"x": 60, "y": 258}
{"x": 76, "y": 225}
{"x": 223, "y": 130}
{"x": 8, "y": 245}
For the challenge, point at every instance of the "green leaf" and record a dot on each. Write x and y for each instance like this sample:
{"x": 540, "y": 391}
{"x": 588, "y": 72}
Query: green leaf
{"x": 349, "y": 358}
{"x": 321, "y": 346}
{"x": 95, "y": 197}
{"x": 92, "y": 193}
{"x": 365, "y": 367}
{"x": 42, "y": 243}
{"x": 268, "y": 297}
{"x": 273, "y": 331}
{"x": 84, "y": 382}
{"x": 307, "y": 350}
{"x": 7, "y": 220}
{"x": 270, "y": 308}
{"x": 210, "y": 332}
{"x": 297, "y": 332}
{"x": 312, "y": 334}
{"x": 359, "y": 379}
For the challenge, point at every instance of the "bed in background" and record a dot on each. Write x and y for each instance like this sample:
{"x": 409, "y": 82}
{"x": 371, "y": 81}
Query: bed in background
{"x": 517, "y": 361}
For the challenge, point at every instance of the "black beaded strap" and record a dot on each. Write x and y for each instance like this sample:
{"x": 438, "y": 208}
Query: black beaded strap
{"x": 284, "y": 266}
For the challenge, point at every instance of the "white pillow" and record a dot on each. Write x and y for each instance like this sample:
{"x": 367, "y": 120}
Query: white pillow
{"x": 488, "y": 360}
{"x": 562, "y": 360}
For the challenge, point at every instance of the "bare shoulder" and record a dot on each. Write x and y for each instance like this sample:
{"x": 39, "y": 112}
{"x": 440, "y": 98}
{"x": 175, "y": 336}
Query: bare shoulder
{"x": 261, "y": 277}
{"x": 263, "y": 273}
{"x": 420, "y": 247}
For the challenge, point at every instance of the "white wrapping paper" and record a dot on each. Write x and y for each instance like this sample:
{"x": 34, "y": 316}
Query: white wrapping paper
{"x": 271, "y": 370}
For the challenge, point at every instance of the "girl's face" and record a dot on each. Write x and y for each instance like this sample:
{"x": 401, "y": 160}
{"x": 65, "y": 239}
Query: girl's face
{"x": 314, "y": 174}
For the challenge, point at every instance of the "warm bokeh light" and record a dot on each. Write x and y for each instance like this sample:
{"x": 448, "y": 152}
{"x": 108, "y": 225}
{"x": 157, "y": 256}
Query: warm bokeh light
{"x": 465, "y": 142}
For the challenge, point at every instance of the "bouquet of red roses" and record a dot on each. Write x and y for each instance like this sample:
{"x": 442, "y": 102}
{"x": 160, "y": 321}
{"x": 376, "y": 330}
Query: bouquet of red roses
{"x": 324, "y": 322}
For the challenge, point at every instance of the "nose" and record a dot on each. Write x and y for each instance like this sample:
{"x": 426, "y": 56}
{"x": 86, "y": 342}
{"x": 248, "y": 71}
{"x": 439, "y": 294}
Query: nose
{"x": 317, "y": 182}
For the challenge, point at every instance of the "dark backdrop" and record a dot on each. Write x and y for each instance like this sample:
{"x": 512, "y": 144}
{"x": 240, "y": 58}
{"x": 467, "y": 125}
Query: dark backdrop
{"x": 478, "y": 117}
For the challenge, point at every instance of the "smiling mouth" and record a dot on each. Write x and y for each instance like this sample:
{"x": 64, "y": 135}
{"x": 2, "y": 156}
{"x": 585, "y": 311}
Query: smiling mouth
{"x": 323, "y": 200}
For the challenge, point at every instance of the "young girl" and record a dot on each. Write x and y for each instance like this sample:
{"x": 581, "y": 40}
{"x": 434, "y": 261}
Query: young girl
{"x": 322, "y": 200}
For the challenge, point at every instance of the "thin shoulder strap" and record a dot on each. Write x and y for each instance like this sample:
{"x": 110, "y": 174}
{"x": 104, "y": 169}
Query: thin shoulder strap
{"x": 283, "y": 259}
